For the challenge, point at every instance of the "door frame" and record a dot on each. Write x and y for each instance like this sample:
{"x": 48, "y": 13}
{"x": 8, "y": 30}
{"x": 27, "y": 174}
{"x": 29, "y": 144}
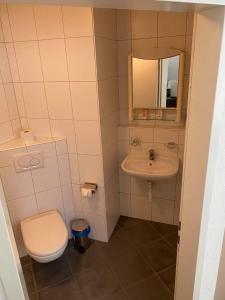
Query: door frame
{"x": 11, "y": 275}
{"x": 202, "y": 212}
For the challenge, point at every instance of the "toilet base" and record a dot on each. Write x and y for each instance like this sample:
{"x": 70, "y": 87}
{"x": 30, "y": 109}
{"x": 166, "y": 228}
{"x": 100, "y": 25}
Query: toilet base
{"x": 48, "y": 258}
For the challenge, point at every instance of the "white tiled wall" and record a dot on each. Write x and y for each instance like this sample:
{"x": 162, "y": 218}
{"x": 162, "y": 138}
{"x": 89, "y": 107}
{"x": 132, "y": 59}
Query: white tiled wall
{"x": 134, "y": 191}
{"x": 139, "y": 31}
{"x": 51, "y": 52}
{"x": 9, "y": 116}
{"x": 105, "y": 32}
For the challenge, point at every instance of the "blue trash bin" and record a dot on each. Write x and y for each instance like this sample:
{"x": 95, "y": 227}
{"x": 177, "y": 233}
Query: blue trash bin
{"x": 80, "y": 230}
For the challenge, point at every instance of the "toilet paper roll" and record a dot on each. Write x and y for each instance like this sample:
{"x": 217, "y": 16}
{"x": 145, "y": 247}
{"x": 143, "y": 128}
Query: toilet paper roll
{"x": 27, "y": 136}
{"x": 87, "y": 193}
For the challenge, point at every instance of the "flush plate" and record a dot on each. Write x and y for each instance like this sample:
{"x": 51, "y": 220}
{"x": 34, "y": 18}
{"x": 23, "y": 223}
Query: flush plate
{"x": 28, "y": 161}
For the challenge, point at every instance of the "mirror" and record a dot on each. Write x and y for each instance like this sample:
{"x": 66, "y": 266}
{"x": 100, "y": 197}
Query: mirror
{"x": 155, "y": 85}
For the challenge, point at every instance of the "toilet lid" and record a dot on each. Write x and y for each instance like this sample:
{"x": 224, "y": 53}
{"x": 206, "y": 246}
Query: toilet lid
{"x": 45, "y": 233}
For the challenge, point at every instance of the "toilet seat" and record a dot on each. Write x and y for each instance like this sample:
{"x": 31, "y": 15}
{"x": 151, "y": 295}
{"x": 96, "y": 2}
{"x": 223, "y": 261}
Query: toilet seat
{"x": 45, "y": 236}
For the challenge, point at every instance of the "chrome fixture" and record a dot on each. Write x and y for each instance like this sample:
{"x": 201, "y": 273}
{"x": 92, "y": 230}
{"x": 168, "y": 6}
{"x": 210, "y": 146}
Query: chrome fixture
{"x": 151, "y": 154}
{"x": 135, "y": 141}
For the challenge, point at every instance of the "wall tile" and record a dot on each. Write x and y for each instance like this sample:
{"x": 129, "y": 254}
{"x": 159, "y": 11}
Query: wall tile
{"x": 106, "y": 58}
{"x": 4, "y": 65}
{"x": 16, "y": 185}
{"x": 39, "y": 127}
{"x": 124, "y": 149}
{"x": 123, "y": 133}
{"x": 95, "y": 204}
{"x": 84, "y": 100}
{"x": 16, "y": 127}
{"x": 6, "y": 158}
{"x": 190, "y": 22}
{"x": 163, "y": 150}
{"x": 125, "y": 204}
{"x": 77, "y": 201}
{"x": 125, "y": 182}
{"x": 77, "y": 21}
{"x": 90, "y": 169}
{"x": 123, "y": 21}
{"x": 51, "y": 199}
{"x": 188, "y": 53}
{"x": 162, "y": 211}
{"x": 144, "y": 24}
{"x": 35, "y": 100}
{"x": 140, "y": 207}
{"x": 142, "y": 47}
{"x": 108, "y": 95}
{"x": 11, "y": 100}
{"x": 6, "y": 132}
{"x": 61, "y": 147}
{"x": 124, "y": 49}
{"x": 4, "y": 116}
{"x": 145, "y": 134}
{"x": 171, "y": 23}
{"x": 47, "y": 177}
{"x": 82, "y": 65}
{"x": 7, "y": 32}
{"x": 21, "y": 208}
{"x": 165, "y": 135}
{"x": 65, "y": 128}
{"x": 53, "y": 57}
{"x": 29, "y": 63}
{"x": 64, "y": 169}
{"x": 12, "y": 62}
{"x": 123, "y": 92}
{"x": 143, "y": 148}
{"x": 47, "y": 149}
{"x": 139, "y": 187}
{"x": 165, "y": 189}
{"x": 98, "y": 226}
{"x": 19, "y": 99}
{"x": 88, "y": 137}
{"x": 59, "y": 100}
{"x": 74, "y": 169}
{"x": 67, "y": 197}
{"x": 22, "y": 22}
{"x": 105, "y": 23}
{"x": 176, "y": 42}
{"x": 49, "y": 21}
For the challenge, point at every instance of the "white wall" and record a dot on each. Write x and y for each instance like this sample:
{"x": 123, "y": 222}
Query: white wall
{"x": 51, "y": 52}
{"x": 9, "y": 116}
{"x": 106, "y": 53}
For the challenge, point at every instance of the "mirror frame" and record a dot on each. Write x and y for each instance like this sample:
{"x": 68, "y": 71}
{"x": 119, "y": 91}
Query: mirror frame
{"x": 158, "y": 53}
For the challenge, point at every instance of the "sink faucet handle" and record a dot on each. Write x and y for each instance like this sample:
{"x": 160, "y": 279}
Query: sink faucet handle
{"x": 135, "y": 141}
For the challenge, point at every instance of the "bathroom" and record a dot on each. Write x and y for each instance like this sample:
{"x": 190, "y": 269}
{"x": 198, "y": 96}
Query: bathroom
{"x": 66, "y": 77}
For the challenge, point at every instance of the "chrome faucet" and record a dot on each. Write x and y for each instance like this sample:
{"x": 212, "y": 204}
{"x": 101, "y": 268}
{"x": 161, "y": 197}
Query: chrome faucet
{"x": 151, "y": 154}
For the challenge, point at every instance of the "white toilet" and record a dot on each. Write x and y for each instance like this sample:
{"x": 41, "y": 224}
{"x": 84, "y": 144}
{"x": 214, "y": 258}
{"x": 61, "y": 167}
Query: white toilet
{"x": 45, "y": 236}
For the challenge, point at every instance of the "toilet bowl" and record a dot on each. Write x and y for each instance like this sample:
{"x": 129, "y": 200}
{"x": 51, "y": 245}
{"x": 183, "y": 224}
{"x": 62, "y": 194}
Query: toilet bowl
{"x": 45, "y": 236}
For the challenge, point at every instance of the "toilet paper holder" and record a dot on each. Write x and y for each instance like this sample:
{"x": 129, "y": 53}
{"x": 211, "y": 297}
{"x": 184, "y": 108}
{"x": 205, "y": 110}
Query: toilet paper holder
{"x": 90, "y": 186}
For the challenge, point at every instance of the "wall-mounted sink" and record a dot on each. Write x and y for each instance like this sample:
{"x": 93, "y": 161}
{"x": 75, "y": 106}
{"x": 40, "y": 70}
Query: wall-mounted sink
{"x": 160, "y": 168}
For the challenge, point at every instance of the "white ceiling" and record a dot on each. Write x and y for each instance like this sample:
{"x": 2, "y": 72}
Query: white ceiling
{"x": 171, "y": 5}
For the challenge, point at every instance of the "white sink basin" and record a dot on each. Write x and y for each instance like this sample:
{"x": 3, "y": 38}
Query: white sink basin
{"x": 140, "y": 166}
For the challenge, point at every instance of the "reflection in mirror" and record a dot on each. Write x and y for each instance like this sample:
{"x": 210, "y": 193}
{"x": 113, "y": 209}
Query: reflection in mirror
{"x": 145, "y": 83}
{"x": 169, "y": 73}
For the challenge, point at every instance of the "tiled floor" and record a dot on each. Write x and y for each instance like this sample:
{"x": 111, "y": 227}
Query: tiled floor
{"x": 137, "y": 263}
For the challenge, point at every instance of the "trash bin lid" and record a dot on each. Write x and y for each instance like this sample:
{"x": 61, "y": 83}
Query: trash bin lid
{"x": 79, "y": 225}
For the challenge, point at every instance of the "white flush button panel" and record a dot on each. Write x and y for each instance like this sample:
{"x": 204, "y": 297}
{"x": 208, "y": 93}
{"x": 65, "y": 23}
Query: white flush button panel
{"x": 28, "y": 161}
